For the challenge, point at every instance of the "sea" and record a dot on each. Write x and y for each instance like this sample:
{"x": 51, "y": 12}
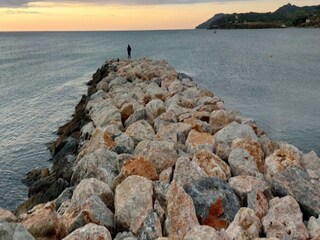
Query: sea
{"x": 271, "y": 76}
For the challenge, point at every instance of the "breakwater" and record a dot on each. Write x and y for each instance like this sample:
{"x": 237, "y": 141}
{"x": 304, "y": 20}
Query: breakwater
{"x": 150, "y": 155}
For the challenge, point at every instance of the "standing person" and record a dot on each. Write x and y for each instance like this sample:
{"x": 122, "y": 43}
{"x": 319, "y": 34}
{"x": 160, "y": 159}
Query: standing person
{"x": 129, "y": 51}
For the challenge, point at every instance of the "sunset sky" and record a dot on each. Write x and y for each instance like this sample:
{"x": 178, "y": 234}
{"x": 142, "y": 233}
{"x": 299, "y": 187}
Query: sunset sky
{"x": 66, "y": 15}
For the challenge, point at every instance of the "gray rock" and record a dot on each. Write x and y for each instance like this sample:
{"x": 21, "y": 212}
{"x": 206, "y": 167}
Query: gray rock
{"x": 296, "y": 182}
{"x": 232, "y": 131}
{"x": 64, "y": 196}
{"x": 139, "y": 114}
{"x": 314, "y": 227}
{"x": 101, "y": 164}
{"x": 207, "y": 191}
{"x": 133, "y": 202}
{"x": 92, "y": 186}
{"x": 187, "y": 171}
{"x": 155, "y": 108}
{"x": 14, "y": 231}
{"x": 242, "y": 163}
{"x": 118, "y": 81}
{"x": 175, "y": 132}
{"x": 140, "y": 131}
{"x": 151, "y": 227}
{"x": 125, "y": 236}
{"x": 124, "y": 144}
{"x": 202, "y": 232}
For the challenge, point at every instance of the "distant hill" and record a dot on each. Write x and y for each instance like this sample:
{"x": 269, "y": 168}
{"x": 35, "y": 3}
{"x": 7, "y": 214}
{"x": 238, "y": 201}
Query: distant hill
{"x": 286, "y": 16}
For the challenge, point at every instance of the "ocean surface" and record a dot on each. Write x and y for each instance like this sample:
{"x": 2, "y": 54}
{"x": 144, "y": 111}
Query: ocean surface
{"x": 272, "y": 76}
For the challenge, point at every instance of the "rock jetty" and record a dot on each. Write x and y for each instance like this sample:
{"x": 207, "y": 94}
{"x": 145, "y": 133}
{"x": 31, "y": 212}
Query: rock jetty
{"x": 149, "y": 155}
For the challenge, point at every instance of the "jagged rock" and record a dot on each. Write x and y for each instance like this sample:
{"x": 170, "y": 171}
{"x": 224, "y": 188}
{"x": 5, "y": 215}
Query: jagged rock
{"x": 212, "y": 165}
{"x": 181, "y": 216}
{"x": 314, "y": 227}
{"x": 284, "y": 220}
{"x": 118, "y": 81}
{"x": 155, "y": 108}
{"x": 243, "y": 185}
{"x": 139, "y": 166}
{"x": 139, "y": 114}
{"x": 159, "y": 210}
{"x": 223, "y": 151}
{"x": 215, "y": 202}
{"x": 126, "y": 111}
{"x": 92, "y": 186}
{"x": 253, "y": 148}
{"x": 90, "y": 231}
{"x": 161, "y": 190}
{"x": 155, "y": 92}
{"x": 258, "y": 202}
{"x": 103, "y": 85}
{"x": 281, "y": 159}
{"x": 202, "y": 233}
{"x": 175, "y": 132}
{"x": 67, "y": 147}
{"x": 242, "y": 163}
{"x": 101, "y": 164}
{"x": 14, "y": 231}
{"x": 166, "y": 175}
{"x": 232, "y": 131}
{"x": 268, "y": 146}
{"x": 133, "y": 201}
{"x": 151, "y": 227}
{"x": 162, "y": 154}
{"x": 245, "y": 226}
{"x": 165, "y": 118}
{"x": 198, "y": 125}
{"x": 64, "y": 196}
{"x": 199, "y": 141}
{"x": 221, "y": 118}
{"x": 6, "y": 215}
{"x": 124, "y": 144}
{"x": 310, "y": 161}
{"x": 296, "y": 182}
{"x": 96, "y": 141}
{"x": 41, "y": 221}
{"x": 187, "y": 171}
{"x": 140, "y": 131}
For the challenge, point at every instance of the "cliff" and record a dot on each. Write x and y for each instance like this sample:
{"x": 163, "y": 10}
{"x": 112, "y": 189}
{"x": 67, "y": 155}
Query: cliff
{"x": 286, "y": 16}
{"x": 149, "y": 155}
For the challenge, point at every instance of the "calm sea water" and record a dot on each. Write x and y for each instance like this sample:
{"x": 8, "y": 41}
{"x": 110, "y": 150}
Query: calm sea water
{"x": 272, "y": 76}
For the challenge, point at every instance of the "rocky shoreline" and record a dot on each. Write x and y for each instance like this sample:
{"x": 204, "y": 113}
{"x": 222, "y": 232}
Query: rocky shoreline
{"x": 149, "y": 155}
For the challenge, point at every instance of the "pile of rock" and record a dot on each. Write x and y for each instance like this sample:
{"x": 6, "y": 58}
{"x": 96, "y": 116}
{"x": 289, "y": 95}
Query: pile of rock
{"x": 149, "y": 155}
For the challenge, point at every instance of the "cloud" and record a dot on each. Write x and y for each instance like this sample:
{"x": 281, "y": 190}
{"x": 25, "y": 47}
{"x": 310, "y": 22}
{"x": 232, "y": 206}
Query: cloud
{"x": 25, "y": 3}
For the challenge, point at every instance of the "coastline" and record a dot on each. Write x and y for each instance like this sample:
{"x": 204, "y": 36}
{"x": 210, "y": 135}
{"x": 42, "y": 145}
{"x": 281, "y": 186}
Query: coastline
{"x": 149, "y": 121}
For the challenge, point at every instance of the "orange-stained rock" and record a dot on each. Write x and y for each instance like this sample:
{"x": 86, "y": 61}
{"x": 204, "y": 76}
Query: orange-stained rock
{"x": 41, "y": 221}
{"x": 108, "y": 141}
{"x": 220, "y": 119}
{"x": 198, "y": 141}
{"x": 213, "y": 219}
{"x": 139, "y": 166}
{"x": 212, "y": 165}
{"x": 181, "y": 212}
{"x": 258, "y": 202}
{"x": 198, "y": 125}
{"x": 7, "y": 215}
{"x": 254, "y": 149}
{"x": 126, "y": 111}
{"x": 284, "y": 157}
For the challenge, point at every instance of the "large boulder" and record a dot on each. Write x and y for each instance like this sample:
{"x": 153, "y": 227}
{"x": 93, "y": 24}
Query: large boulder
{"x": 41, "y": 221}
{"x": 101, "y": 164}
{"x": 92, "y": 186}
{"x": 6, "y": 215}
{"x": 284, "y": 220}
{"x": 242, "y": 163}
{"x": 215, "y": 202}
{"x": 155, "y": 108}
{"x": 175, "y": 132}
{"x": 212, "y": 165}
{"x": 199, "y": 141}
{"x": 140, "y": 131}
{"x": 181, "y": 216}
{"x": 162, "y": 154}
{"x": 221, "y": 118}
{"x": 133, "y": 202}
{"x": 296, "y": 182}
{"x": 187, "y": 171}
{"x": 90, "y": 231}
{"x": 282, "y": 158}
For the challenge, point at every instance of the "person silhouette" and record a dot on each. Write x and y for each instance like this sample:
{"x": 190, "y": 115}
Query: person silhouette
{"x": 129, "y": 51}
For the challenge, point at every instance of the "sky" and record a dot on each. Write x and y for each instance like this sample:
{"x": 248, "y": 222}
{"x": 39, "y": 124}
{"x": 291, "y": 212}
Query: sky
{"x": 104, "y": 15}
